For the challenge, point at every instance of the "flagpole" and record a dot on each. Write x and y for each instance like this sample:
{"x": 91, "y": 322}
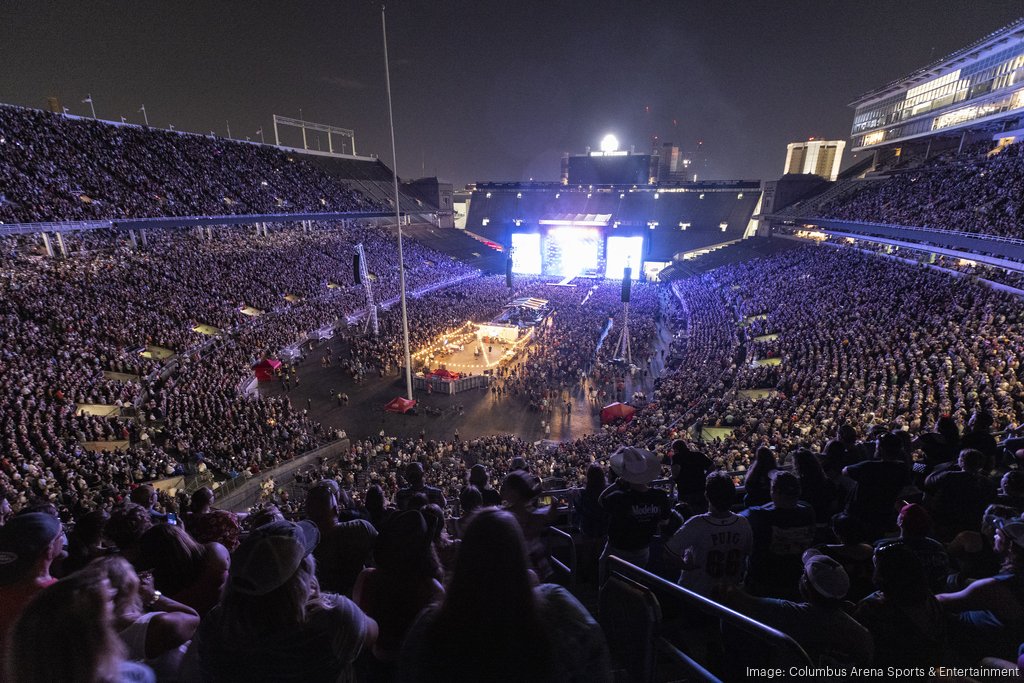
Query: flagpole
{"x": 145, "y": 116}
{"x": 398, "y": 213}
{"x": 88, "y": 98}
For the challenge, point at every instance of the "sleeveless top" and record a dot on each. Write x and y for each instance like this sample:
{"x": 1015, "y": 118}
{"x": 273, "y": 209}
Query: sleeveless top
{"x": 168, "y": 665}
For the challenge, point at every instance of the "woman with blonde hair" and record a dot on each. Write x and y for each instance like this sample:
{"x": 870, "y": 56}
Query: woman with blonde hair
{"x": 67, "y": 634}
{"x": 155, "y": 629}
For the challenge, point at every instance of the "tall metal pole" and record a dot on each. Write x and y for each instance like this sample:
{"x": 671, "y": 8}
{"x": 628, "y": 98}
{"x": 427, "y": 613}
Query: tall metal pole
{"x": 145, "y": 116}
{"x": 398, "y": 213}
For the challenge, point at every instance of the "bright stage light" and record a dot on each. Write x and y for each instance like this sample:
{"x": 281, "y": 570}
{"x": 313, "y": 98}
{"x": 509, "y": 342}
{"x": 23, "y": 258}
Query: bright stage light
{"x": 623, "y": 251}
{"x": 526, "y": 253}
{"x": 609, "y": 143}
{"x": 572, "y": 251}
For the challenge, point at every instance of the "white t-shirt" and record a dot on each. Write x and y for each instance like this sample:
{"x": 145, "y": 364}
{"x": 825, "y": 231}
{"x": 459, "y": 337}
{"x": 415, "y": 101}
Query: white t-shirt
{"x": 720, "y": 547}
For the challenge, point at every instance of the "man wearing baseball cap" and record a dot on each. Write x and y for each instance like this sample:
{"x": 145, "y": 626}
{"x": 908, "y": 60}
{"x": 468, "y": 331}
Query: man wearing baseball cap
{"x": 635, "y": 509}
{"x": 818, "y": 621}
{"x": 29, "y": 543}
{"x": 272, "y": 623}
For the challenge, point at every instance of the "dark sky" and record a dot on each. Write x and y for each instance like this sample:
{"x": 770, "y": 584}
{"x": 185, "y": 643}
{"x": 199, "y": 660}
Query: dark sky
{"x": 490, "y": 90}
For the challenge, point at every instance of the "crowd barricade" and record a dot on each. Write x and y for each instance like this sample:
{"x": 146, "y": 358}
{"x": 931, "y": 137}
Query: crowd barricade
{"x": 242, "y": 492}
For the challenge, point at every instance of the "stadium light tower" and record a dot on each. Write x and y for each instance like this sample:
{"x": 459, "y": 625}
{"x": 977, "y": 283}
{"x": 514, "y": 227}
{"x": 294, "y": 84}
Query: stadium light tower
{"x": 609, "y": 143}
{"x": 398, "y": 210}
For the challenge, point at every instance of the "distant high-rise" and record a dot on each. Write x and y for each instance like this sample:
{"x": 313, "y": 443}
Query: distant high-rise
{"x": 817, "y": 157}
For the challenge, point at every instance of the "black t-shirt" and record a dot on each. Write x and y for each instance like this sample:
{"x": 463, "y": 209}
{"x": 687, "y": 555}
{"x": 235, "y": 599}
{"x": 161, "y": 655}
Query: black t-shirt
{"x": 491, "y": 498}
{"x": 781, "y": 535}
{"x": 879, "y": 482}
{"x": 982, "y": 441}
{"x": 633, "y": 516}
{"x": 689, "y": 471}
{"x": 958, "y": 499}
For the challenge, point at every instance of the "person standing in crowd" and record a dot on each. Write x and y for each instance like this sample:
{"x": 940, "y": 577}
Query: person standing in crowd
{"x": 494, "y": 624}
{"x": 689, "y": 469}
{"x": 29, "y": 543}
{"x": 187, "y": 571}
{"x": 957, "y": 494}
{"x": 907, "y": 623}
{"x": 67, "y": 633}
{"x": 344, "y": 548}
{"x": 273, "y": 623}
{"x": 879, "y": 483}
{"x": 635, "y": 510}
{"x": 783, "y": 529}
{"x": 154, "y": 629}
{"x": 714, "y": 547}
{"x": 758, "y": 484}
{"x": 405, "y": 580}
{"x": 146, "y": 496}
{"x": 416, "y": 485}
{"x": 479, "y": 478}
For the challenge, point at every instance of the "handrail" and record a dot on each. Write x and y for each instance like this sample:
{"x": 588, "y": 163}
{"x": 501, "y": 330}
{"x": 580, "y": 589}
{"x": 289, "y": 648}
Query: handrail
{"x": 784, "y": 650}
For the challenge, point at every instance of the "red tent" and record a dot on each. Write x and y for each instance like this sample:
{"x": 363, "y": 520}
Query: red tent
{"x": 265, "y": 369}
{"x": 617, "y": 411}
{"x": 399, "y": 405}
{"x": 445, "y": 375}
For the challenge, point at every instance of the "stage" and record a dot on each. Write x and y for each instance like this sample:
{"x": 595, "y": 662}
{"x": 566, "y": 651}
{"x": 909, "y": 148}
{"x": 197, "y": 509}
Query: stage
{"x": 468, "y": 351}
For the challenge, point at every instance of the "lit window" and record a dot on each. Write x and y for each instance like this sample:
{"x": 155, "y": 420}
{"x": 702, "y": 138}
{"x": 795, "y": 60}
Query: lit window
{"x": 656, "y": 195}
{"x": 701, "y": 196}
{"x": 485, "y": 221}
{"x": 723, "y": 226}
{"x": 739, "y": 196}
{"x": 488, "y": 195}
{"x": 683, "y": 226}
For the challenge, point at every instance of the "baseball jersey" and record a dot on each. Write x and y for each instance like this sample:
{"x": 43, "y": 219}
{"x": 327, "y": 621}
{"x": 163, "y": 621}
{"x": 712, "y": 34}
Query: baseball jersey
{"x": 720, "y": 547}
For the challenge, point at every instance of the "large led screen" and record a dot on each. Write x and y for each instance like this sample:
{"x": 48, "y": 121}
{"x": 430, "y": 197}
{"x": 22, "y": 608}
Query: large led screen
{"x": 572, "y": 251}
{"x": 622, "y": 252}
{"x": 526, "y": 253}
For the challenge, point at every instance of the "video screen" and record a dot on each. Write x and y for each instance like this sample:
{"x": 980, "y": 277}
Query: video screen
{"x": 622, "y": 252}
{"x": 526, "y": 253}
{"x": 573, "y": 251}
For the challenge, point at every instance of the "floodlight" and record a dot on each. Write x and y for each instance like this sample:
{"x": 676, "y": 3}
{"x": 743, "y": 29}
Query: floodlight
{"x": 609, "y": 143}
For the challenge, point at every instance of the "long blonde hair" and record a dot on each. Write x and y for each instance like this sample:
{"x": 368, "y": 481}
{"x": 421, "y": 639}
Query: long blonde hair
{"x": 127, "y": 602}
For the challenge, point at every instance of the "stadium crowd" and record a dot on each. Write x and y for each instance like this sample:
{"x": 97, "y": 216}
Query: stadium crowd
{"x": 966, "y": 193}
{"x": 69, "y": 323}
{"x": 61, "y": 168}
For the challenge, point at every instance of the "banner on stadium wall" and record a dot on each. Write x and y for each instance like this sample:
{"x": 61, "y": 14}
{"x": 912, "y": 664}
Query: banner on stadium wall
{"x": 508, "y": 333}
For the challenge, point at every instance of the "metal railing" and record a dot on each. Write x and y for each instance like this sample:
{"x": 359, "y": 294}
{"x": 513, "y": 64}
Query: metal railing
{"x": 784, "y": 652}
{"x": 895, "y": 226}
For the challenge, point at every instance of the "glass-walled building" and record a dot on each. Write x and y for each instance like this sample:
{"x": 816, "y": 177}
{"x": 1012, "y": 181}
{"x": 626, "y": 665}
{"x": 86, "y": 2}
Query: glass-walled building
{"x": 977, "y": 85}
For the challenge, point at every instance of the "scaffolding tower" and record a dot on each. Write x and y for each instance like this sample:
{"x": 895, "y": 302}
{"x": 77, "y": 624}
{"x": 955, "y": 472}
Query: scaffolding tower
{"x": 371, "y": 306}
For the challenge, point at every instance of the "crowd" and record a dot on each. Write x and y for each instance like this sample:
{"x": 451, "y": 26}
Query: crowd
{"x": 904, "y": 347}
{"x": 70, "y": 323}
{"x": 60, "y": 168}
{"x": 966, "y": 193}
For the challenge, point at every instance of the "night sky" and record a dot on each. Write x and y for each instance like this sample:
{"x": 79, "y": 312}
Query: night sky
{"x": 489, "y": 90}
